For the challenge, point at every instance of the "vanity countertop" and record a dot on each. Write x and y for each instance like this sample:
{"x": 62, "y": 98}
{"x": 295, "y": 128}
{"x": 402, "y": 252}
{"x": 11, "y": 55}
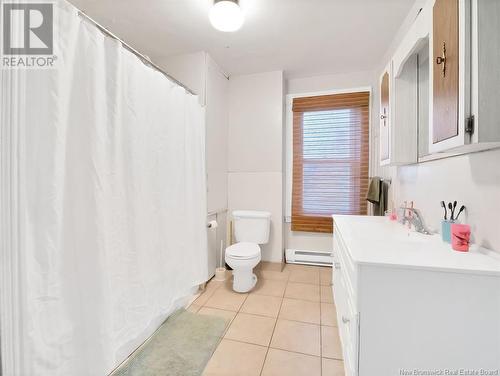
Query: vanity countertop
{"x": 377, "y": 240}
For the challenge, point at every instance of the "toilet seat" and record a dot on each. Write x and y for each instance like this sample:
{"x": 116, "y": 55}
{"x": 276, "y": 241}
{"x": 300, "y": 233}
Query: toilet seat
{"x": 243, "y": 251}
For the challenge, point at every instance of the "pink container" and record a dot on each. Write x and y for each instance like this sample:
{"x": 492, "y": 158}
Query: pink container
{"x": 460, "y": 237}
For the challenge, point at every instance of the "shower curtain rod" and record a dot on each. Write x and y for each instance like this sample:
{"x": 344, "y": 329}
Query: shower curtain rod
{"x": 145, "y": 60}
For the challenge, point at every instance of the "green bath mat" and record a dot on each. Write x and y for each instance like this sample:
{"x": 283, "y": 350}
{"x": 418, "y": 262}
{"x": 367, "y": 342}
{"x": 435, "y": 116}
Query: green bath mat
{"x": 182, "y": 346}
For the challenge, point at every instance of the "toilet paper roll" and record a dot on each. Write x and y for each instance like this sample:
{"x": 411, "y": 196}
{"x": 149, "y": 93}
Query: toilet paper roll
{"x": 212, "y": 224}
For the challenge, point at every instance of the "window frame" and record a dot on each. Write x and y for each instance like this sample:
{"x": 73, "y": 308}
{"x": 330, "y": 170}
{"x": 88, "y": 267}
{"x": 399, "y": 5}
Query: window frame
{"x": 289, "y": 138}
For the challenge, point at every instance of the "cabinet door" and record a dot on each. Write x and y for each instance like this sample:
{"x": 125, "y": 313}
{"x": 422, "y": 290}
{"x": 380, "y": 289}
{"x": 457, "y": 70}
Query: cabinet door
{"x": 384, "y": 117}
{"x": 445, "y": 70}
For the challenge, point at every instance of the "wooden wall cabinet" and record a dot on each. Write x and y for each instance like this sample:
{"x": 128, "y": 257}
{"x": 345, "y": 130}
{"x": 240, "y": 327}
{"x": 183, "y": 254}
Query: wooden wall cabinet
{"x": 404, "y": 98}
{"x": 385, "y": 116}
{"x": 405, "y": 113}
{"x": 444, "y": 84}
{"x": 445, "y": 70}
{"x": 398, "y": 114}
{"x": 465, "y": 111}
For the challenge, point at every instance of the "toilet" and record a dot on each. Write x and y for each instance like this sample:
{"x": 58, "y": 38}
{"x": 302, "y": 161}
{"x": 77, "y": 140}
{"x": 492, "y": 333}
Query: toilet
{"x": 251, "y": 228}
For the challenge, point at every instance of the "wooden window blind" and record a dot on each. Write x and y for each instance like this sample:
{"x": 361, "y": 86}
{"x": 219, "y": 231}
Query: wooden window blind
{"x": 330, "y": 159}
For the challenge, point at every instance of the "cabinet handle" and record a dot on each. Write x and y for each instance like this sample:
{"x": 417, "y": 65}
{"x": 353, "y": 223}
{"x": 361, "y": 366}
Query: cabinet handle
{"x": 337, "y": 265}
{"x": 345, "y": 320}
{"x": 383, "y": 117}
{"x": 441, "y": 60}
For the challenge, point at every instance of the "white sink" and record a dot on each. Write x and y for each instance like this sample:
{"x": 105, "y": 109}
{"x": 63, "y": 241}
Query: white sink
{"x": 381, "y": 241}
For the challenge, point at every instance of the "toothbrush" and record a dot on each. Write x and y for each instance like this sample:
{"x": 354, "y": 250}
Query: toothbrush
{"x": 450, "y": 206}
{"x": 461, "y": 210}
{"x": 445, "y": 211}
{"x": 453, "y": 210}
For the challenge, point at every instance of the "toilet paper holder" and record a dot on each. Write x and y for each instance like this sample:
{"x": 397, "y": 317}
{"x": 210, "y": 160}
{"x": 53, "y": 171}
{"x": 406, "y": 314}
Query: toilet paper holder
{"x": 212, "y": 224}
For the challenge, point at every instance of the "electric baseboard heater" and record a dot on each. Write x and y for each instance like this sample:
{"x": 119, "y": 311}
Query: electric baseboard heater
{"x": 320, "y": 258}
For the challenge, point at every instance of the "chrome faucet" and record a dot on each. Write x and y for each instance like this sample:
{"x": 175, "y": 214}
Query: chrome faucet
{"x": 413, "y": 217}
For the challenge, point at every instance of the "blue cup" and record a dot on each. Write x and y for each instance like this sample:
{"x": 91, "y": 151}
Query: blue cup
{"x": 446, "y": 230}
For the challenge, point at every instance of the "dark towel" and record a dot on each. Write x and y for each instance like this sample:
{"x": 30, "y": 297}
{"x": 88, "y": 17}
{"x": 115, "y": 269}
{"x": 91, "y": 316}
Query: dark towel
{"x": 373, "y": 194}
{"x": 377, "y": 195}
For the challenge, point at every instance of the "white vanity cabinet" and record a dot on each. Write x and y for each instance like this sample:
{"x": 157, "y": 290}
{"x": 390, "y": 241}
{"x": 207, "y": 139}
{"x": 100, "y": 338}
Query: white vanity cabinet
{"x": 344, "y": 291}
{"x": 407, "y": 302}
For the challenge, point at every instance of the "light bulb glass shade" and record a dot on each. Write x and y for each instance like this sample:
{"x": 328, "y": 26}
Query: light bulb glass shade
{"x": 226, "y": 15}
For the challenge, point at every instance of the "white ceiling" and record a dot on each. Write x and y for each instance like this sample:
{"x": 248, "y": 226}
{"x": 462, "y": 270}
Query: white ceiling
{"x": 301, "y": 37}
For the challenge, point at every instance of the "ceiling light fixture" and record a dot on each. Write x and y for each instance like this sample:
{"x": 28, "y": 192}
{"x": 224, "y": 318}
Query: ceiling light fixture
{"x": 226, "y": 15}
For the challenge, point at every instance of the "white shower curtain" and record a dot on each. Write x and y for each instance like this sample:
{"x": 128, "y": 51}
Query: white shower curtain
{"x": 112, "y": 205}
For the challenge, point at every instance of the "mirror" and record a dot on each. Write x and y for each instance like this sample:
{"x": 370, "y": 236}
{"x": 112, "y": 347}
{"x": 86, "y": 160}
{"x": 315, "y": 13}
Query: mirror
{"x": 423, "y": 100}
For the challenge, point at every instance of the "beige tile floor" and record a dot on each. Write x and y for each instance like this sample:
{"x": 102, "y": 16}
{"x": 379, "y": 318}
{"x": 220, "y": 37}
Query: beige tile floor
{"x": 285, "y": 326}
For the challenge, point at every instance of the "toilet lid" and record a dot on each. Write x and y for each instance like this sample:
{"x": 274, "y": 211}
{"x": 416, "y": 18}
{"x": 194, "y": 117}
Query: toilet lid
{"x": 243, "y": 250}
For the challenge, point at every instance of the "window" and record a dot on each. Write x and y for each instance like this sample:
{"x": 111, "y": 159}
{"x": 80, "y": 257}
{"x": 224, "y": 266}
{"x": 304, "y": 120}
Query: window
{"x": 330, "y": 159}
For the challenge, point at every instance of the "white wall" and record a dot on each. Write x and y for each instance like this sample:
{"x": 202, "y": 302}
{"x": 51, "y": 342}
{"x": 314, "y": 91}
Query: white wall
{"x": 473, "y": 180}
{"x": 255, "y": 152}
{"x": 189, "y": 69}
{"x": 318, "y": 84}
{"x": 329, "y": 82}
{"x": 217, "y": 100}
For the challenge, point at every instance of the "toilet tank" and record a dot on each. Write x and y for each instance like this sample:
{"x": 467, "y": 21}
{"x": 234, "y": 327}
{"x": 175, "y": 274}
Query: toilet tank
{"x": 251, "y": 226}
